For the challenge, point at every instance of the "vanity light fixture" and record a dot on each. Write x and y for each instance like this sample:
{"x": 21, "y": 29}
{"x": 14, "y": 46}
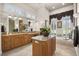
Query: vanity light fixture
{"x": 9, "y": 16}
{"x": 20, "y": 18}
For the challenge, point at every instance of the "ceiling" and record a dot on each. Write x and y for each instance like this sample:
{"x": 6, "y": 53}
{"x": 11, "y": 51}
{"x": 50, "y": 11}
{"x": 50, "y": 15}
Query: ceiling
{"x": 49, "y": 6}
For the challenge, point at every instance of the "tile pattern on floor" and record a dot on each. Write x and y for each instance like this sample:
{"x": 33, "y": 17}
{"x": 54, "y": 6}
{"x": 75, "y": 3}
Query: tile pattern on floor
{"x": 20, "y": 51}
{"x": 65, "y": 48}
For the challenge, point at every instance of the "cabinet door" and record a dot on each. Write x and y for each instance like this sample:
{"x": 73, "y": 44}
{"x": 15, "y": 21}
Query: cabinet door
{"x": 29, "y": 38}
{"x": 25, "y": 39}
{"x": 12, "y": 41}
{"x": 6, "y": 44}
{"x": 44, "y": 46}
{"x": 36, "y": 48}
{"x": 16, "y": 41}
{"x": 20, "y": 40}
{"x": 3, "y": 43}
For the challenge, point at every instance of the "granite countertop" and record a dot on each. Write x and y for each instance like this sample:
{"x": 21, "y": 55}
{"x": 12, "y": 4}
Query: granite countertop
{"x": 41, "y": 38}
{"x": 19, "y": 33}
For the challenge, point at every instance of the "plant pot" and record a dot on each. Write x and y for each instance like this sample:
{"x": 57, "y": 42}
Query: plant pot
{"x": 45, "y": 33}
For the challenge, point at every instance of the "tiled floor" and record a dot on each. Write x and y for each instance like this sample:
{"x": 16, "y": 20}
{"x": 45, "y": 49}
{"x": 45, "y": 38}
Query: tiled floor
{"x": 63, "y": 48}
{"x": 21, "y": 51}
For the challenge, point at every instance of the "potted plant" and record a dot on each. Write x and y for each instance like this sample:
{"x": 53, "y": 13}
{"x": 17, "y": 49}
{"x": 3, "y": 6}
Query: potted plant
{"x": 15, "y": 30}
{"x": 45, "y": 31}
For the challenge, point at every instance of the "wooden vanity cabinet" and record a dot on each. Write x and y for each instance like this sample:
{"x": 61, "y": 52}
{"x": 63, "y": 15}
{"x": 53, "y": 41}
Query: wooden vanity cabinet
{"x": 12, "y": 41}
{"x": 43, "y": 48}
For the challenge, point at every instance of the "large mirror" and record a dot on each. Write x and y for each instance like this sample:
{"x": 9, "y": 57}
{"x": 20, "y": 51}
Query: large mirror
{"x": 11, "y": 25}
{"x": 19, "y": 25}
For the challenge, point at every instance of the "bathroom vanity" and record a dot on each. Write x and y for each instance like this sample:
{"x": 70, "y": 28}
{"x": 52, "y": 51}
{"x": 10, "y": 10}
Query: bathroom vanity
{"x": 43, "y": 46}
{"x": 14, "y": 40}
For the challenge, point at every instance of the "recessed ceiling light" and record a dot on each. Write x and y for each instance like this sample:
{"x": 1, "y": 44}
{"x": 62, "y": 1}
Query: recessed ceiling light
{"x": 53, "y": 7}
{"x": 63, "y": 3}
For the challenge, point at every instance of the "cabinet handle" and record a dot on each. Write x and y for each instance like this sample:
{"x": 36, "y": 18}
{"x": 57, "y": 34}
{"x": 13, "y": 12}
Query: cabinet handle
{"x": 36, "y": 42}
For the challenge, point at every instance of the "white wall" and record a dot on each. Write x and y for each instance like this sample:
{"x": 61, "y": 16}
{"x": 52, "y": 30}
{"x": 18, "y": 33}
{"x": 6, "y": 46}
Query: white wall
{"x": 63, "y": 9}
{"x": 1, "y": 11}
{"x": 42, "y": 15}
